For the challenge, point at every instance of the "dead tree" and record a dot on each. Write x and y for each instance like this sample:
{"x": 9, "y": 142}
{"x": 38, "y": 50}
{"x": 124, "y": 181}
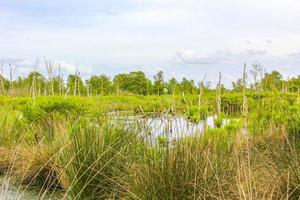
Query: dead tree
{"x": 75, "y": 83}
{"x": 49, "y": 67}
{"x": 2, "y": 79}
{"x": 33, "y": 85}
{"x": 255, "y": 72}
{"x": 87, "y": 89}
{"x": 12, "y": 71}
{"x": 60, "y": 80}
{"x": 245, "y": 101}
{"x": 201, "y": 87}
{"x": 78, "y": 86}
{"x": 218, "y": 98}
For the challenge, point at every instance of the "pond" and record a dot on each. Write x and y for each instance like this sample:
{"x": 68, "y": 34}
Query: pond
{"x": 172, "y": 127}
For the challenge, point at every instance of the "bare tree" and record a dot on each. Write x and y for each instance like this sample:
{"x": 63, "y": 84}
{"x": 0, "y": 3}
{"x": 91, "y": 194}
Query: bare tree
{"x": 12, "y": 70}
{"x": 59, "y": 79}
{"x": 201, "y": 87}
{"x": 255, "y": 72}
{"x": 33, "y": 85}
{"x": 2, "y": 78}
{"x": 245, "y": 102}
{"x": 49, "y": 67}
{"x": 87, "y": 89}
{"x": 67, "y": 92}
{"x": 218, "y": 98}
{"x": 78, "y": 85}
{"x": 75, "y": 82}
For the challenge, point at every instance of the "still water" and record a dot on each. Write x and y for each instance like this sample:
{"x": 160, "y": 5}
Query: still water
{"x": 172, "y": 127}
{"x": 9, "y": 191}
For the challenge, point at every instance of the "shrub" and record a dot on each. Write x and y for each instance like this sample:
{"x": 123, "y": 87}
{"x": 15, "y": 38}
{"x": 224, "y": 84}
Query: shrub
{"x": 195, "y": 114}
{"x": 61, "y": 106}
{"x": 32, "y": 113}
{"x": 218, "y": 122}
{"x": 233, "y": 125}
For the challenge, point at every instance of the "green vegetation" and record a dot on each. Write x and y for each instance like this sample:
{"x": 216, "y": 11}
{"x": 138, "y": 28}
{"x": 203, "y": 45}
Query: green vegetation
{"x": 75, "y": 137}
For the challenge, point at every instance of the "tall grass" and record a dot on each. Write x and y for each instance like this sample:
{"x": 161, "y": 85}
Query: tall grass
{"x": 98, "y": 159}
{"x": 192, "y": 168}
{"x": 91, "y": 157}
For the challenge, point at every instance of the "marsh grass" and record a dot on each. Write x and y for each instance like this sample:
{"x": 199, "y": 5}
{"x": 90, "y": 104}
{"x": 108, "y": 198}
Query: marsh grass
{"x": 192, "y": 168}
{"x": 100, "y": 157}
{"x": 88, "y": 157}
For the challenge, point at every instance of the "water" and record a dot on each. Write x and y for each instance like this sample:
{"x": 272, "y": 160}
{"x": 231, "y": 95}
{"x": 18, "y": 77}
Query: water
{"x": 10, "y": 192}
{"x": 172, "y": 127}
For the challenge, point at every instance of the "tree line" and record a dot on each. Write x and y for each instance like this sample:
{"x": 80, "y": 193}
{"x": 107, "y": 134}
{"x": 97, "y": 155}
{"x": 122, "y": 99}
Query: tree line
{"x": 136, "y": 82}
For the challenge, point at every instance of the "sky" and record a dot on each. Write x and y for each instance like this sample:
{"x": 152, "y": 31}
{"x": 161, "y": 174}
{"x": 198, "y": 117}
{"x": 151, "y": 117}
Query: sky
{"x": 184, "y": 38}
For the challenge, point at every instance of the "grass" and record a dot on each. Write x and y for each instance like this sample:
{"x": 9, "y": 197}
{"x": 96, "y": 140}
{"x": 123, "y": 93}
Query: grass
{"x": 59, "y": 146}
{"x": 191, "y": 168}
{"x": 100, "y": 158}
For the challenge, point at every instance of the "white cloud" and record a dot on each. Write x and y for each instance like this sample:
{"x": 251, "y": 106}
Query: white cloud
{"x": 218, "y": 57}
{"x": 269, "y": 41}
{"x": 191, "y": 57}
{"x": 255, "y": 53}
{"x": 11, "y": 60}
{"x": 295, "y": 55}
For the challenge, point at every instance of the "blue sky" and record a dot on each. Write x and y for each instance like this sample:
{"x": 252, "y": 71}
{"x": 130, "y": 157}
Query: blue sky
{"x": 183, "y": 38}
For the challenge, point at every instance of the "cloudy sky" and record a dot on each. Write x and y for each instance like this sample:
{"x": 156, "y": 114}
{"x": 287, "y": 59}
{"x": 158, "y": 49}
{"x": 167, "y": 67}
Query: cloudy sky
{"x": 181, "y": 37}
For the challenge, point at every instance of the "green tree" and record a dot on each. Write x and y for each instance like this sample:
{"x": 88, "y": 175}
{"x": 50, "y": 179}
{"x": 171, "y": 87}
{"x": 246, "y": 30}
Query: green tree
{"x": 138, "y": 83}
{"x": 135, "y": 82}
{"x": 272, "y": 81}
{"x": 188, "y": 86}
{"x": 75, "y": 85}
{"x": 172, "y": 86}
{"x": 294, "y": 84}
{"x": 99, "y": 85}
{"x": 4, "y": 85}
{"x": 237, "y": 86}
{"x": 159, "y": 84}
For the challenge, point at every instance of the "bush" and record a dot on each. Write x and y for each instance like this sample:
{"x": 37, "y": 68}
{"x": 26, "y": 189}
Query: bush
{"x": 61, "y": 106}
{"x": 218, "y": 122}
{"x": 195, "y": 114}
{"x": 32, "y": 113}
{"x": 233, "y": 126}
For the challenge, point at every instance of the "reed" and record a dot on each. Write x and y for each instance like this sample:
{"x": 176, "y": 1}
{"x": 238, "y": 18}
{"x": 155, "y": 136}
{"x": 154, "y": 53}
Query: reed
{"x": 92, "y": 157}
{"x": 97, "y": 160}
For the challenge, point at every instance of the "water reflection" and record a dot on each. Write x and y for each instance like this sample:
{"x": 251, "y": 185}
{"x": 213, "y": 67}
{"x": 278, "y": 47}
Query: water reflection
{"x": 10, "y": 192}
{"x": 172, "y": 127}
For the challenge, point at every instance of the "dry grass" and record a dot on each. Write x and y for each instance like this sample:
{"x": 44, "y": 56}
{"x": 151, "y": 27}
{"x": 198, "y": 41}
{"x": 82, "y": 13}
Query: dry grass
{"x": 36, "y": 166}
